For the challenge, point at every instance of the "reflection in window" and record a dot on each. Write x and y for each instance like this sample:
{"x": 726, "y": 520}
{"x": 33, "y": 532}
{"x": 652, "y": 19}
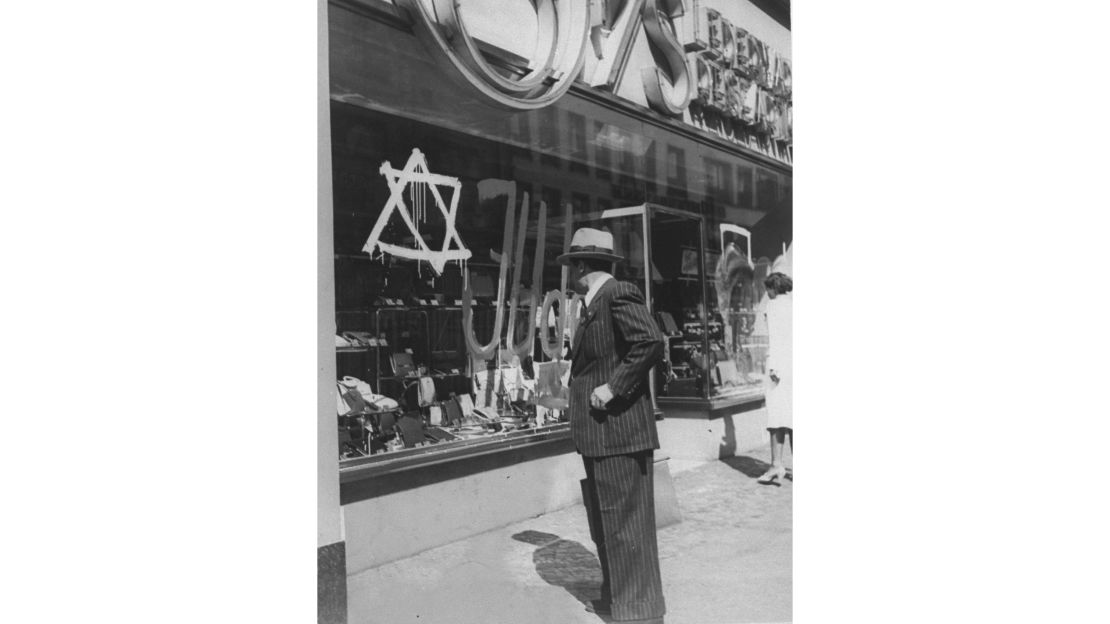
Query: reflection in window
{"x": 745, "y": 186}
{"x": 718, "y": 182}
{"x": 650, "y": 172}
{"x": 603, "y": 204}
{"x": 578, "y": 155}
{"x": 766, "y": 191}
{"x": 581, "y": 202}
{"x": 521, "y": 189}
{"x": 626, "y": 189}
{"x": 554, "y": 200}
{"x": 549, "y": 136}
{"x": 603, "y": 157}
{"x": 522, "y": 131}
{"x": 676, "y": 172}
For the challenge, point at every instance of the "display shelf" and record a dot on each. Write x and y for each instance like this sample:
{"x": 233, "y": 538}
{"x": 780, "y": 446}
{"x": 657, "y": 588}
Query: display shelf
{"x": 379, "y": 464}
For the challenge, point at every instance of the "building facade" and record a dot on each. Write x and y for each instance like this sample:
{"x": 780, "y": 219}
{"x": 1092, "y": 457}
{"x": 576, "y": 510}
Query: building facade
{"x": 461, "y": 144}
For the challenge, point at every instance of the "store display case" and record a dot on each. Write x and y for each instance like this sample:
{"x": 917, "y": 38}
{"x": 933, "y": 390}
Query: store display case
{"x": 715, "y": 353}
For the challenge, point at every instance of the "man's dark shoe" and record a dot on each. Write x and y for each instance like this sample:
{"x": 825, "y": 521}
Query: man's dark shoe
{"x": 599, "y": 606}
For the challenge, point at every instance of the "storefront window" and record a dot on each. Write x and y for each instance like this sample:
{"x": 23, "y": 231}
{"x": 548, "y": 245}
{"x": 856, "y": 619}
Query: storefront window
{"x": 409, "y": 383}
{"x": 406, "y": 376}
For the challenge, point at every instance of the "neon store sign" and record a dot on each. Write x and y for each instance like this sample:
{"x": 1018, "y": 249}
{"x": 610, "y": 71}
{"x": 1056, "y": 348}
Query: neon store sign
{"x": 698, "y": 55}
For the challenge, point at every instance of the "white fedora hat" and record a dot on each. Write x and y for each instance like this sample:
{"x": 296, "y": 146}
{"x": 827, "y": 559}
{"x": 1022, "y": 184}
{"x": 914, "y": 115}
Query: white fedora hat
{"x": 590, "y": 243}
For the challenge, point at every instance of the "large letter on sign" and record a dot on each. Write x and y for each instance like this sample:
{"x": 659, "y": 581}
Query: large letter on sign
{"x": 667, "y": 91}
{"x": 562, "y": 32}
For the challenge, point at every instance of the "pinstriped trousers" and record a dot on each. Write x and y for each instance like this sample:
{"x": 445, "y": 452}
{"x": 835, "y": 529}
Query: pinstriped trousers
{"x": 621, "y": 511}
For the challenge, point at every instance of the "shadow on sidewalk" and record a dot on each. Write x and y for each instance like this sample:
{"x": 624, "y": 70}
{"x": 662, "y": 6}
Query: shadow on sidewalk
{"x": 566, "y": 564}
{"x": 749, "y": 466}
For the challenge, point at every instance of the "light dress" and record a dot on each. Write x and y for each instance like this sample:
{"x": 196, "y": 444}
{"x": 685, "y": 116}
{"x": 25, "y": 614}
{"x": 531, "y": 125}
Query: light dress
{"x": 780, "y": 405}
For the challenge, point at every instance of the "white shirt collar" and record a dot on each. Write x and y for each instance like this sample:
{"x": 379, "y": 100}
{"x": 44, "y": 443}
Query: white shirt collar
{"x": 596, "y": 286}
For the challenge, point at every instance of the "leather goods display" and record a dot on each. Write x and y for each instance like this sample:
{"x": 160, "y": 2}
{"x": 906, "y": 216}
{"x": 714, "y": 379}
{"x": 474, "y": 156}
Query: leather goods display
{"x": 728, "y": 374}
{"x": 371, "y": 400}
{"x": 508, "y": 382}
{"x": 350, "y": 401}
{"x": 402, "y": 364}
{"x": 426, "y": 391}
{"x": 718, "y": 353}
{"x": 412, "y": 430}
{"x": 466, "y": 405}
{"x": 439, "y": 435}
{"x": 486, "y": 384}
{"x": 667, "y": 324}
{"x": 486, "y": 413}
{"x": 360, "y": 338}
{"x": 693, "y": 331}
{"x": 452, "y": 412}
{"x": 435, "y": 415}
{"x": 551, "y": 392}
{"x": 387, "y": 422}
{"x": 684, "y": 386}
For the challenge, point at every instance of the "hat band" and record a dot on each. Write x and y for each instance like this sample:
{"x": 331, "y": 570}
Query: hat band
{"x": 590, "y": 249}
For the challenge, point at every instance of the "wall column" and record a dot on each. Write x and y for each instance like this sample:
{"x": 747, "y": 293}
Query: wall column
{"x": 331, "y": 579}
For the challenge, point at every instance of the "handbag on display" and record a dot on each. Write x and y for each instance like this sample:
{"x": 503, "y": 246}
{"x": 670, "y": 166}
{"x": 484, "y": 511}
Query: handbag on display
{"x": 372, "y": 401}
{"x": 402, "y": 364}
{"x": 486, "y": 383}
{"x": 360, "y": 338}
{"x": 387, "y": 422}
{"x": 452, "y": 413}
{"x": 426, "y": 391}
{"x": 728, "y": 373}
{"x": 666, "y": 321}
{"x": 466, "y": 405}
{"x": 435, "y": 415}
{"x": 350, "y": 401}
{"x": 516, "y": 386}
{"x": 412, "y": 430}
{"x": 550, "y": 391}
{"x": 718, "y": 354}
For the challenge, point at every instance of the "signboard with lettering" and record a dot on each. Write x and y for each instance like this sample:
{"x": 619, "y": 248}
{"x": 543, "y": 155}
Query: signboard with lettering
{"x": 682, "y": 58}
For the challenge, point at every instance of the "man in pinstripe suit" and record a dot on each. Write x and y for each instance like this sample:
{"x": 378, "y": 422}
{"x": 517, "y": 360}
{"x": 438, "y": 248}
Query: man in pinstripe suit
{"x": 613, "y": 426}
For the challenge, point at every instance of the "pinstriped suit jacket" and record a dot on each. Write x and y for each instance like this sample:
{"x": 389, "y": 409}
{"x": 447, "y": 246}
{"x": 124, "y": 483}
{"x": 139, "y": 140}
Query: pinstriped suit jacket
{"x": 616, "y": 343}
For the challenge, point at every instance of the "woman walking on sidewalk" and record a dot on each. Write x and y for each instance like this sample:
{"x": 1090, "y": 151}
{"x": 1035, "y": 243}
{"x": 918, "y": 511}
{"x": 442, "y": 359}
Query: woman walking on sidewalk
{"x": 780, "y": 409}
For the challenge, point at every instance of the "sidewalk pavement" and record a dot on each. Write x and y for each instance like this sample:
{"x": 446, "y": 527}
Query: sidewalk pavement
{"x": 727, "y": 562}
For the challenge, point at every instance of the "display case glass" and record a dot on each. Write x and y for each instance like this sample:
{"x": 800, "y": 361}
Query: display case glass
{"x": 664, "y": 253}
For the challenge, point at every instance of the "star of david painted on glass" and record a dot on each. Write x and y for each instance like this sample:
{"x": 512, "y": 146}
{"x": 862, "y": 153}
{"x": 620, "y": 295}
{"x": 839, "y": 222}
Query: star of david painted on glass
{"x": 415, "y": 176}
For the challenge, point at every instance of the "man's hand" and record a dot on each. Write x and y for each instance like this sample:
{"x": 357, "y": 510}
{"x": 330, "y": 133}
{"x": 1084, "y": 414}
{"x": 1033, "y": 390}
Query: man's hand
{"x": 601, "y": 396}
